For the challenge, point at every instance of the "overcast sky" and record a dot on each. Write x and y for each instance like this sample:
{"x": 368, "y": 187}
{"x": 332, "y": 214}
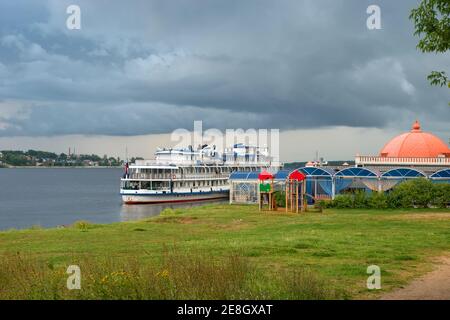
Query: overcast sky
{"x": 139, "y": 69}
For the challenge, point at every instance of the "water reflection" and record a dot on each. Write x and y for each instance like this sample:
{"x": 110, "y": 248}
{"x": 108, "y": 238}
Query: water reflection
{"x": 142, "y": 211}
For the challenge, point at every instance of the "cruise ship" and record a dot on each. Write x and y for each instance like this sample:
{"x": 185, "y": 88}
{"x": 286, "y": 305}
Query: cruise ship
{"x": 188, "y": 174}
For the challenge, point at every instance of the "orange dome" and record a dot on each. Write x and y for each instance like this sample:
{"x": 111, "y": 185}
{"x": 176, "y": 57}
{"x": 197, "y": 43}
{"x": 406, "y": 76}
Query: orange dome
{"x": 415, "y": 144}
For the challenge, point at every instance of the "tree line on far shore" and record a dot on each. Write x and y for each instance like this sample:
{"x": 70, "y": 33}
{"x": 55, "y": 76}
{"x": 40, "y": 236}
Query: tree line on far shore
{"x": 50, "y": 159}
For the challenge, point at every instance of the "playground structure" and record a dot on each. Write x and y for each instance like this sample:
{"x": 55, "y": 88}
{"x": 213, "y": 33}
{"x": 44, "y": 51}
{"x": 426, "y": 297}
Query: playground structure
{"x": 295, "y": 192}
{"x": 245, "y": 188}
{"x": 294, "y": 187}
{"x": 266, "y": 190}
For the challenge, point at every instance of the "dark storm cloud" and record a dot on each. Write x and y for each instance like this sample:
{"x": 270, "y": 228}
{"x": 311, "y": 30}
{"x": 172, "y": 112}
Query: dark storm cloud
{"x": 152, "y": 66}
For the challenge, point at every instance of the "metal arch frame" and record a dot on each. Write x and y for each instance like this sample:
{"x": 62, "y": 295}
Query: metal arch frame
{"x": 421, "y": 174}
{"x": 372, "y": 174}
{"x": 243, "y": 175}
{"x": 281, "y": 175}
{"x": 305, "y": 170}
{"x": 436, "y": 175}
{"x": 311, "y": 175}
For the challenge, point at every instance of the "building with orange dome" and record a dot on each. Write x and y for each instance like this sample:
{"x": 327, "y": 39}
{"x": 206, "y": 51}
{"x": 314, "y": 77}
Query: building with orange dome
{"x": 410, "y": 155}
{"x": 414, "y": 149}
{"x": 413, "y": 154}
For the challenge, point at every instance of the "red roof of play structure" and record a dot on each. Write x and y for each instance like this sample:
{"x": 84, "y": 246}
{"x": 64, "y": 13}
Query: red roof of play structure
{"x": 265, "y": 175}
{"x": 296, "y": 175}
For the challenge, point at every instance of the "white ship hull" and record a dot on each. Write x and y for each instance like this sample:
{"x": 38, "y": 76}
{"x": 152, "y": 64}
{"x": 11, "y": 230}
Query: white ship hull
{"x": 173, "y": 197}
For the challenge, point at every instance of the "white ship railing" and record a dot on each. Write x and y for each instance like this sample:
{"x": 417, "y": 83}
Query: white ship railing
{"x": 154, "y": 162}
{"x": 152, "y": 189}
{"x": 149, "y": 176}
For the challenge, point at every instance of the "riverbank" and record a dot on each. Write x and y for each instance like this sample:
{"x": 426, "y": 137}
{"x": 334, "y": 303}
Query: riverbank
{"x": 259, "y": 255}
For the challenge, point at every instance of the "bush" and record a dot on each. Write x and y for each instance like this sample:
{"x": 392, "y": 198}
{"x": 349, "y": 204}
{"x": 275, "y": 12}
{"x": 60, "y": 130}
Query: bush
{"x": 414, "y": 193}
{"x": 324, "y": 204}
{"x": 280, "y": 198}
{"x": 377, "y": 200}
{"x": 441, "y": 197}
{"x": 360, "y": 200}
{"x": 343, "y": 201}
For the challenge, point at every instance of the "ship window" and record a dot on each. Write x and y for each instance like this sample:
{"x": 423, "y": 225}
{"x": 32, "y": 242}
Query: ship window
{"x": 159, "y": 185}
{"x": 126, "y": 185}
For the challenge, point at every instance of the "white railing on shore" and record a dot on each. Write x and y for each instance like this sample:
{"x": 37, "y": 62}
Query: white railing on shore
{"x": 377, "y": 160}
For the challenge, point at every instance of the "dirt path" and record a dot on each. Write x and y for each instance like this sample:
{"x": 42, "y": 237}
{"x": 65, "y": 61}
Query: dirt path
{"x": 434, "y": 285}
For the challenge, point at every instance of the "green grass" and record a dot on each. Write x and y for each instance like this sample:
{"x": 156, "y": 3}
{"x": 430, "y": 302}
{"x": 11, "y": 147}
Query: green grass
{"x": 235, "y": 251}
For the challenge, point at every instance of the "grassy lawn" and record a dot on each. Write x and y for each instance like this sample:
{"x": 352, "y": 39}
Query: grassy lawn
{"x": 335, "y": 246}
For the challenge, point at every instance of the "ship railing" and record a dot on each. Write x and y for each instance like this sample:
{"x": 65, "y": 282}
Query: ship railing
{"x": 174, "y": 176}
{"x": 152, "y": 162}
{"x": 149, "y": 189}
{"x": 201, "y": 176}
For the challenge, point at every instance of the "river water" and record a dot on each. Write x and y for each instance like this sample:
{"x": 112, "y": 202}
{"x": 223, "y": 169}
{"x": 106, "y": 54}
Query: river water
{"x": 50, "y": 197}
